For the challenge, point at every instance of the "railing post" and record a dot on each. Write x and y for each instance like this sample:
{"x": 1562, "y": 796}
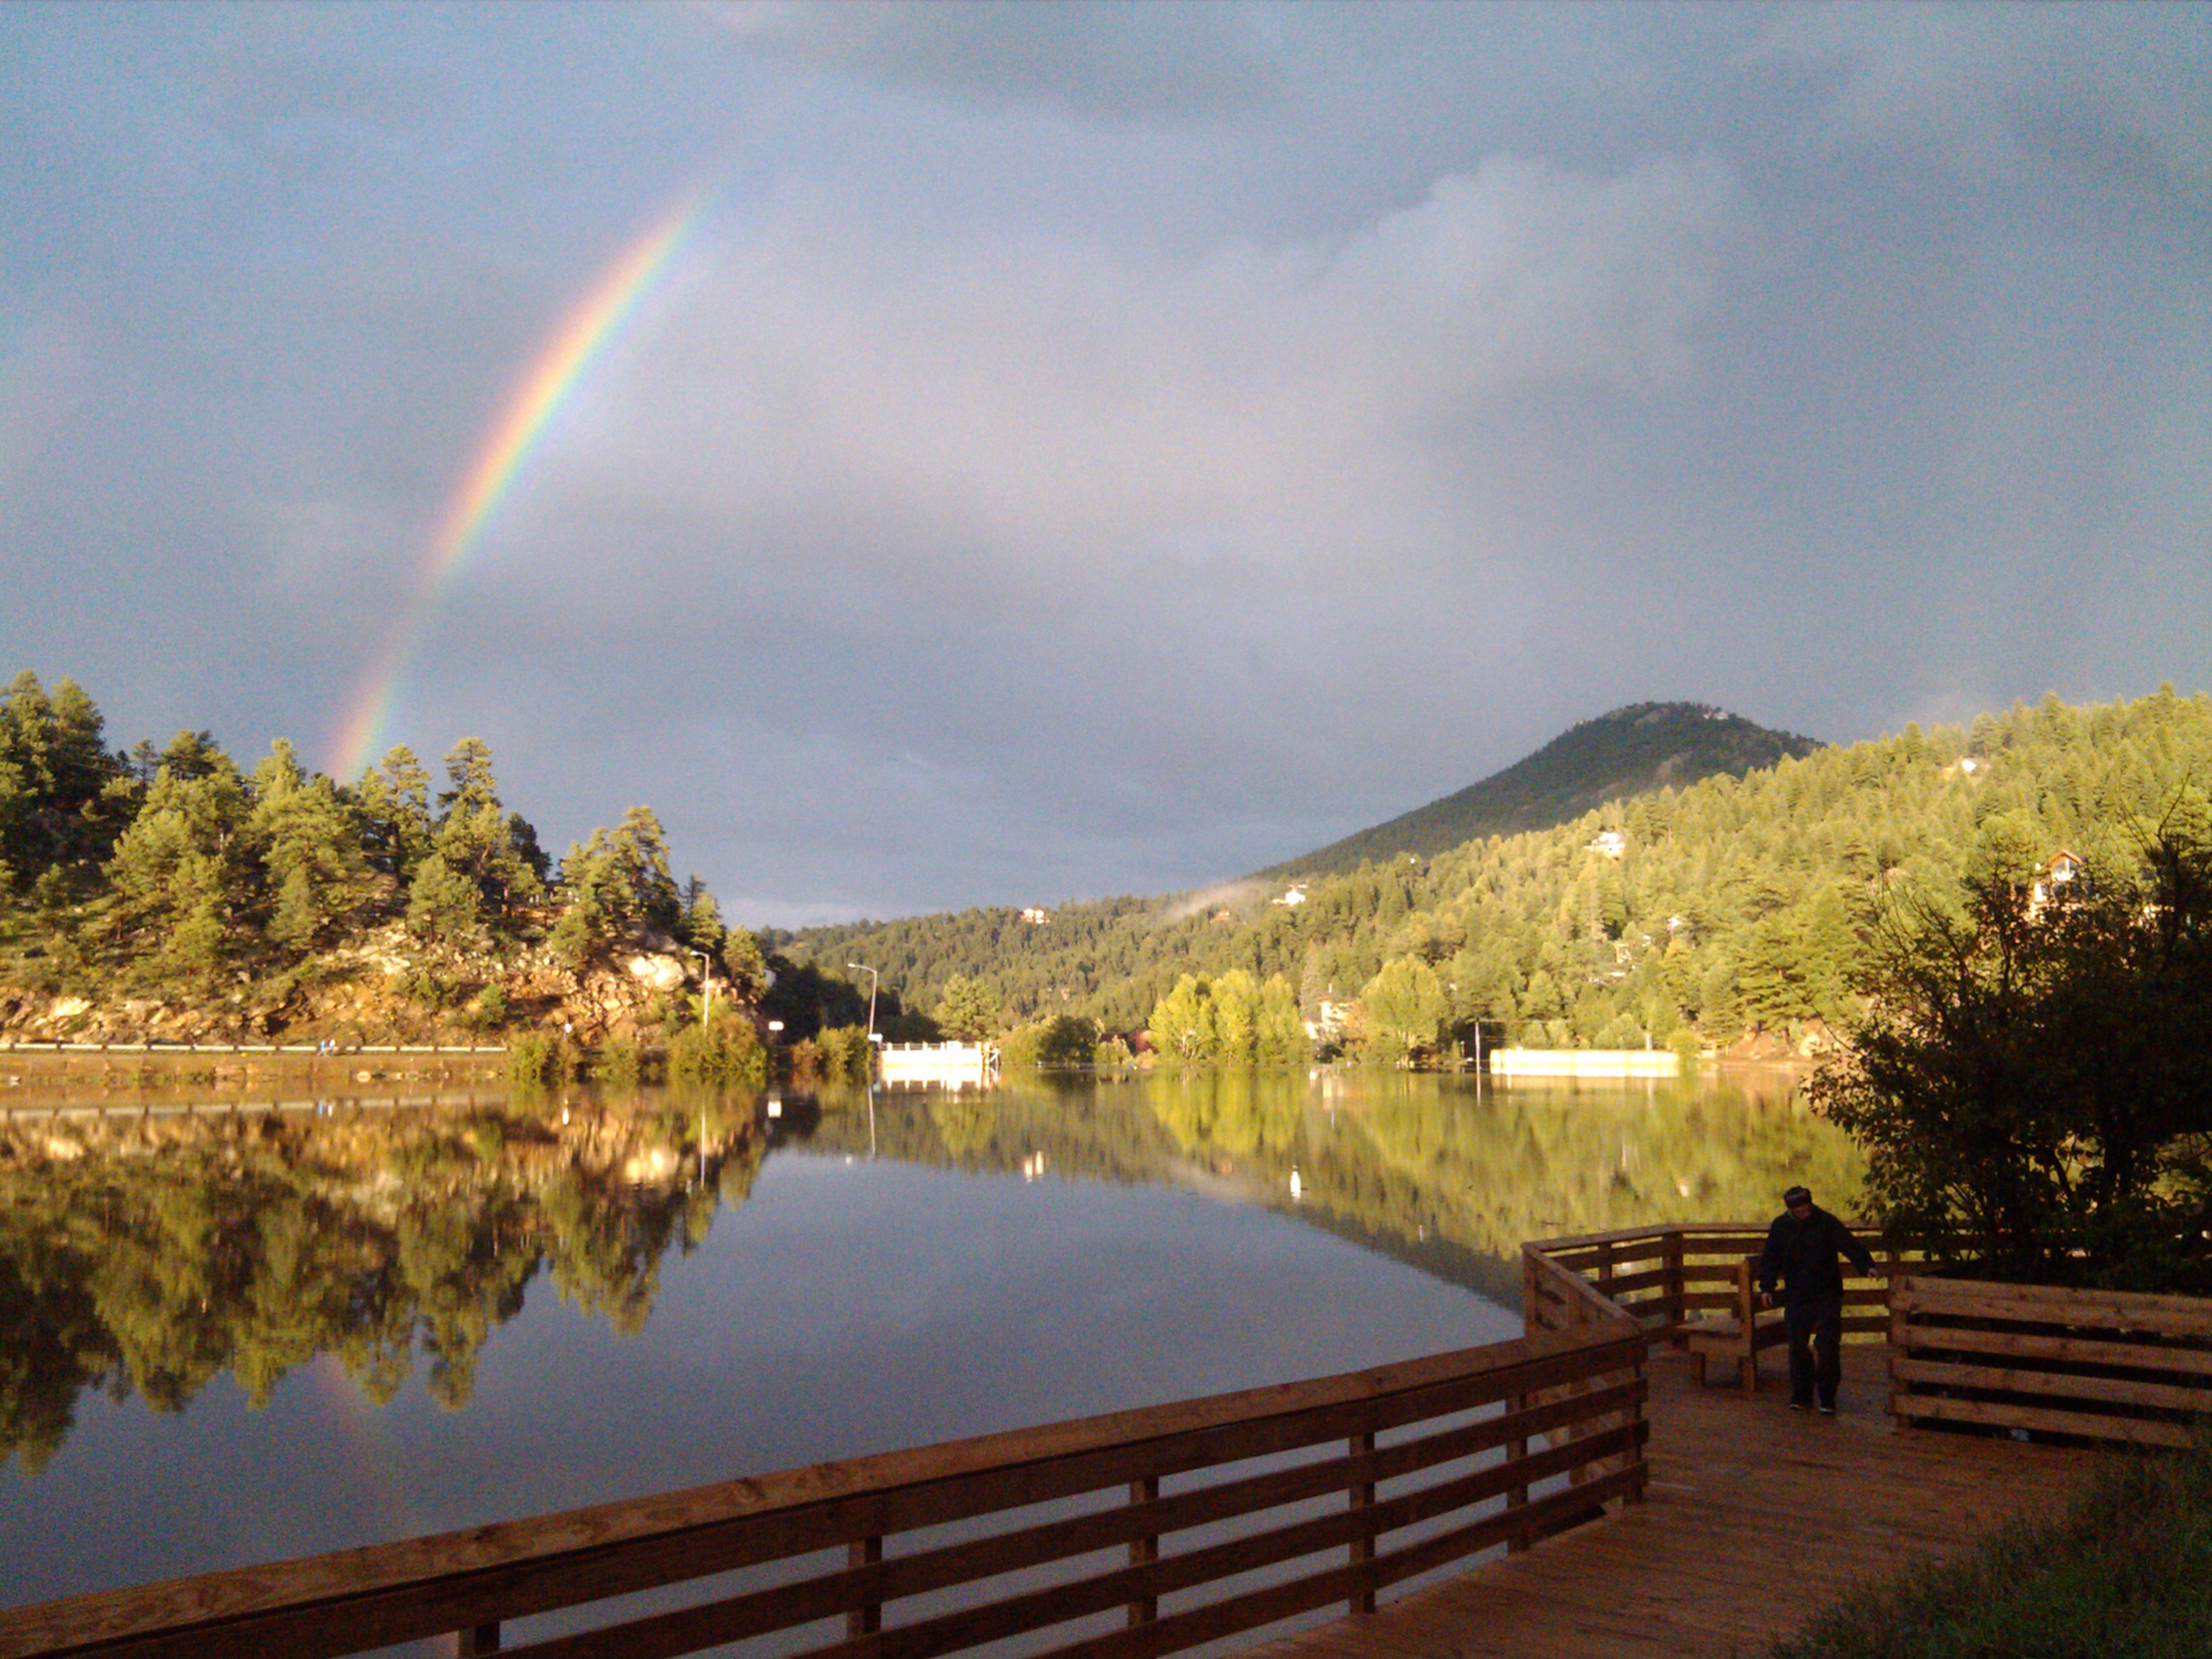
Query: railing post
{"x": 1516, "y": 1498}
{"x": 1676, "y": 1288}
{"x": 479, "y": 1638}
{"x": 1363, "y": 1544}
{"x": 1145, "y": 1551}
{"x": 1633, "y": 1457}
{"x": 1900, "y": 1339}
{"x": 868, "y": 1618}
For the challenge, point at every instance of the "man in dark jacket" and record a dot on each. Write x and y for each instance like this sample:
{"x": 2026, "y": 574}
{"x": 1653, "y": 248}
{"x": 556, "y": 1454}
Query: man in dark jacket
{"x": 1802, "y": 1247}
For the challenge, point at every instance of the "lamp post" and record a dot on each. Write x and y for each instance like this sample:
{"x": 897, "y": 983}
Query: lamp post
{"x": 706, "y": 988}
{"x": 873, "y": 978}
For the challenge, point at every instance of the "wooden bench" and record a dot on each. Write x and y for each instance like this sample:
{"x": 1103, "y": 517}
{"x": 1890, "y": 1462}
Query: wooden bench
{"x": 1738, "y": 1335}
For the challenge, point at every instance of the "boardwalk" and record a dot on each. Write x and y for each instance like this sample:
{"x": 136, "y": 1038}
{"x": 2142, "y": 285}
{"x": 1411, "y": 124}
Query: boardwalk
{"x": 1735, "y": 1485}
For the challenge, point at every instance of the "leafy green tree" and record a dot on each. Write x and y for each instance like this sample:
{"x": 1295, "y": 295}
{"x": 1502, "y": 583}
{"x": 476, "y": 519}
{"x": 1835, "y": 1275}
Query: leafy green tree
{"x": 700, "y": 925}
{"x": 2034, "y": 1082}
{"x": 1182, "y": 1022}
{"x": 1404, "y": 1011}
{"x": 746, "y": 964}
{"x": 969, "y": 1009}
{"x": 444, "y": 906}
{"x": 1279, "y": 1037}
{"x": 1235, "y": 999}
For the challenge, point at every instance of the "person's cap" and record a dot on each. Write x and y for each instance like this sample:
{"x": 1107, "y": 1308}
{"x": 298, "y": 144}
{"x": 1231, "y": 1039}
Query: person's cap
{"x": 1796, "y": 1196}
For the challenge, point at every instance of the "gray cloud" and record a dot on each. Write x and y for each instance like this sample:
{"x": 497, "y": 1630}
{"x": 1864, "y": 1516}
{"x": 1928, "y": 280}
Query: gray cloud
{"x": 1095, "y": 448}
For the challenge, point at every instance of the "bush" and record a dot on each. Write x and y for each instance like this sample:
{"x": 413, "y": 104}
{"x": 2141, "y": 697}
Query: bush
{"x": 845, "y": 1052}
{"x": 535, "y": 1058}
{"x": 726, "y": 1052}
{"x": 2121, "y": 1574}
{"x": 616, "y": 1061}
{"x": 1113, "y": 1053}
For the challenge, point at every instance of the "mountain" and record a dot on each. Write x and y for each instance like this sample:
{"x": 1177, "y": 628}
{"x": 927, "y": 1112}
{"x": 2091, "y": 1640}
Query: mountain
{"x": 1644, "y": 746}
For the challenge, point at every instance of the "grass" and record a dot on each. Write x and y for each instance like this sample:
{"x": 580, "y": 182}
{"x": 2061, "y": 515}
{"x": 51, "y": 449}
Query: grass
{"x": 2126, "y": 1573}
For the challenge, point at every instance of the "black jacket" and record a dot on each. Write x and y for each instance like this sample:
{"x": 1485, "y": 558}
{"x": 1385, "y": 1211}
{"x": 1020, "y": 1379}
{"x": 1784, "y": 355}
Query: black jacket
{"x": 1803, "y": 1255}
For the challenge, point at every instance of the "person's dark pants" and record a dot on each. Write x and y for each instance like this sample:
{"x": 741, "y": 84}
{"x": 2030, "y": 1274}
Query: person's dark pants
{"x": 1816, "y": 1348}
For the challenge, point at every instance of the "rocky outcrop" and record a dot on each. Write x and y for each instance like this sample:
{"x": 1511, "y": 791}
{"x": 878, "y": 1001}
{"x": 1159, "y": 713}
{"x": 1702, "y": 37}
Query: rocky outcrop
{"x": 386, "y": 988}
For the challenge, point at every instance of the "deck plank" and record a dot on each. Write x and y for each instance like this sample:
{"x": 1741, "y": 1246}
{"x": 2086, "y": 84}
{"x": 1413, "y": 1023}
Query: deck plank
{"x": 1738, "y": 1485}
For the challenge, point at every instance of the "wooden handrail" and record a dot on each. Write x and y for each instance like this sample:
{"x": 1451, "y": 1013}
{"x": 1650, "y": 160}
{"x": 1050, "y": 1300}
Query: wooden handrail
{"x": 1698, "y": 1269}
{"x": 1580, "y": 1391}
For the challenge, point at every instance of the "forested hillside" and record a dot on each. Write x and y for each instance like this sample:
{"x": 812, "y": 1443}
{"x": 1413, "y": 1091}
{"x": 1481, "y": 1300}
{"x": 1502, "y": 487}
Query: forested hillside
{"x": 1629, "y": 751}
{"x": 1729, "y": 906}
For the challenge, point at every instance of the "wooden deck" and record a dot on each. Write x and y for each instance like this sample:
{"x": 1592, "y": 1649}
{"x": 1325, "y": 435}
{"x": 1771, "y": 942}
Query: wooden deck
{"x": 1744, "y": 1494}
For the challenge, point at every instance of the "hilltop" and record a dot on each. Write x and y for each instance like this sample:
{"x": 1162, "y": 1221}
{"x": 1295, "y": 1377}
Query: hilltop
{"x": 1729, "y": 909}
{"x": 1631, "y": 751}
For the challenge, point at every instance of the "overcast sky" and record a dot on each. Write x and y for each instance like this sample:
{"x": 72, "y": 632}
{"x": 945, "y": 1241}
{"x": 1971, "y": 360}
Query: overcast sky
{"x": 1089, "y": 449}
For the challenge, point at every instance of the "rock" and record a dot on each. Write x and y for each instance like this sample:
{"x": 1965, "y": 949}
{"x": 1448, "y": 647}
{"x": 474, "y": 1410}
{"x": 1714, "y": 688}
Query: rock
{"x": 661, "y": 973}
{"x": 68, "y": 1008}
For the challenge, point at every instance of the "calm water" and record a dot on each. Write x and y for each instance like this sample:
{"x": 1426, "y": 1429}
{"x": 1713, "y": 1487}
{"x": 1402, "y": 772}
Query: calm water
{"x": 227, "y": 1336}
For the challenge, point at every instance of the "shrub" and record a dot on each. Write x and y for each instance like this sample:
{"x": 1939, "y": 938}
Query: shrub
{"x": 2121, "y": 1576}
{"x": 533, "y": 1057}
{"x": 616, "y": 1061}
{"x": 725, "y": 1052}
{"x": 845, "y": 1052}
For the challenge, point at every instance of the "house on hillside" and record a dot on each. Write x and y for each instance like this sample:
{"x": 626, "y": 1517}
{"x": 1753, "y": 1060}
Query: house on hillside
{"x": 1610, "y": 843}
{"x": 1036, "y": 915}
{"x": 1328, "y": 1025}
{"x": 1293, "y": 897}
{"x": 2054, "y": 882}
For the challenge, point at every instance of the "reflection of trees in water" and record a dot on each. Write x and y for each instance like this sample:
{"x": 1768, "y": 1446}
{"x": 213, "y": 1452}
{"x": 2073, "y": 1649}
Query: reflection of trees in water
{"x": 147, "y": 1255}
{"x": 1414, "y": 1161}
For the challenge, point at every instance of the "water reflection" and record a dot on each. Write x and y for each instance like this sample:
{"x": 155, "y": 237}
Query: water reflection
{"x": 1451, "y": 1173}
{"x": 144, "y": 1253}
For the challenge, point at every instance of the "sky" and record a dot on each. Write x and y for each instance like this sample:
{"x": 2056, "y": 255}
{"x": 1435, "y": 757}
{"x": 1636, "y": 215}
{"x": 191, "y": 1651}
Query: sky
{"x": 1003, "y": 454}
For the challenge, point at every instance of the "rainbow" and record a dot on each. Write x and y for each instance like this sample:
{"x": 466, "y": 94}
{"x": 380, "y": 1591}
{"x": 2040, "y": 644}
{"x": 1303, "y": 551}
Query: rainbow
{"x": 559, "y": 368}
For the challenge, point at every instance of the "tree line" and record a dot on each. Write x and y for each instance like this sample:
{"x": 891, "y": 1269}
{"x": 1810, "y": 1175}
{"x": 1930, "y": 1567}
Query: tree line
{"x": 176, "y": 873}
{"x": 1701, "y": 914}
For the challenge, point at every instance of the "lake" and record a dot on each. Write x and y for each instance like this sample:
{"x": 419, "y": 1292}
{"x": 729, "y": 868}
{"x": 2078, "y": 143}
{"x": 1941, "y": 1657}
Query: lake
{"x": 237, "y": 1327}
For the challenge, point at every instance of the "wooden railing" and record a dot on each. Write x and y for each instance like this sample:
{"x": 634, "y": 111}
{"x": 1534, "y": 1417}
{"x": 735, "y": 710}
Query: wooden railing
{"x": 1664, "y": 1276}
{"x": 2102, "y": 1364}
{"x": 1511, "y": 1441}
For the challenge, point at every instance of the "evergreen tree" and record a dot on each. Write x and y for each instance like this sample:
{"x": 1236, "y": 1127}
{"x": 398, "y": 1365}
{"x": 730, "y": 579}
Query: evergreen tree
{"x": 968, "y": 1009}
{"x": 474, "y": 838}
{"x": 308, "y": 846}
{"x": 391, "y": 809}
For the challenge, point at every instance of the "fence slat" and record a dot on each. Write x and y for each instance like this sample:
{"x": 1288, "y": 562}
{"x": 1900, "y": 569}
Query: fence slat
{"x": 2138, "y": 1431}
{"x": 2061, "y": 1385}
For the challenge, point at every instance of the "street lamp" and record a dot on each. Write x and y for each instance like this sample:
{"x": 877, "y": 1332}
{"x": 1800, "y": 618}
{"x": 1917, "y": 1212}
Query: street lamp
{"x": 706, "y": 988}
{"x": 873, "y": 977}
